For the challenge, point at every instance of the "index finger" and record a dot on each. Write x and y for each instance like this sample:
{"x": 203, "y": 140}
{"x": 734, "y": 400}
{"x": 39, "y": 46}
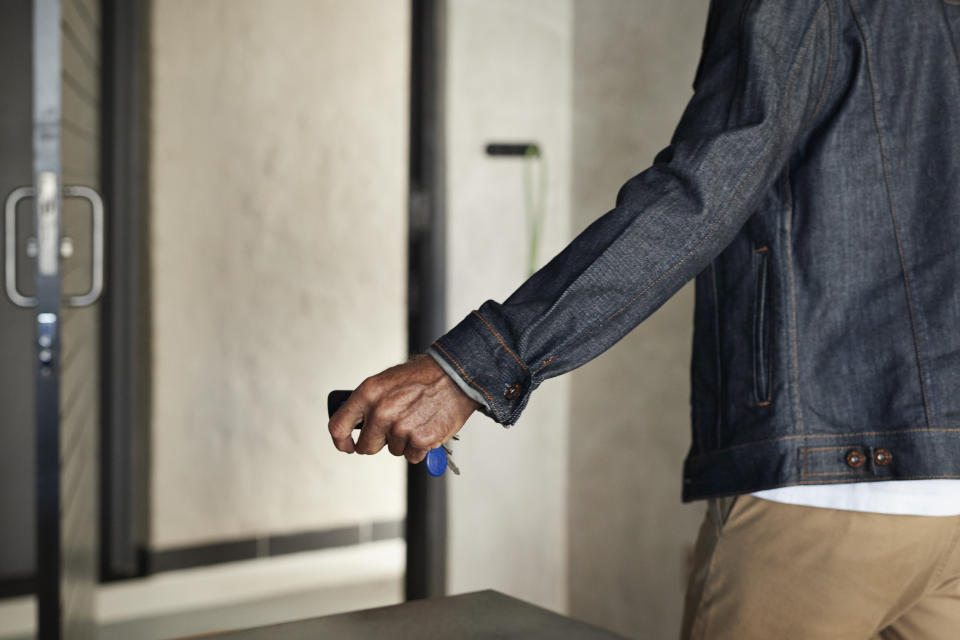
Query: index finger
{"x": 345, "y": 419}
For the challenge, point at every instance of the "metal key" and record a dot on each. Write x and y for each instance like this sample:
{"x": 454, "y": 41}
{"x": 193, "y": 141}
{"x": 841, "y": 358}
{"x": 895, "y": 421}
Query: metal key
{"x": 450, "y": 463}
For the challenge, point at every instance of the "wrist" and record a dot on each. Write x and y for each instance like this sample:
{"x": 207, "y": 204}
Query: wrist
{"x": 477, "y": 402}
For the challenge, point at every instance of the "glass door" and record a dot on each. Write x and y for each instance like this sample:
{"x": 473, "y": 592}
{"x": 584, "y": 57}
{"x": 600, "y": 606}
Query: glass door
{"x": 53, "y": 273}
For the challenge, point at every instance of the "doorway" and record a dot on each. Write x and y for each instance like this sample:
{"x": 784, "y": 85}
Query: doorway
{"x": 53, "y": 259}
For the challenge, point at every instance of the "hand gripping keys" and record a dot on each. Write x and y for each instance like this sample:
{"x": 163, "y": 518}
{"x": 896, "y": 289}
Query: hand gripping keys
{"x": 437, "y": 460}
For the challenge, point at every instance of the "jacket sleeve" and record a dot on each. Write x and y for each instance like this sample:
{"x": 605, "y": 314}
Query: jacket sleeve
{"x": 763, "y": 78}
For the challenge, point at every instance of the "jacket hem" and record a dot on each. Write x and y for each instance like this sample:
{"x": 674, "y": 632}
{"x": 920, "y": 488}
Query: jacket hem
{"x": 906, "y": 454}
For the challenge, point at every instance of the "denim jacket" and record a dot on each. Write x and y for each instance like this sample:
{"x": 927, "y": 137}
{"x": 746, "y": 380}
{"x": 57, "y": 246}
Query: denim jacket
{"x": 812, "y": 188}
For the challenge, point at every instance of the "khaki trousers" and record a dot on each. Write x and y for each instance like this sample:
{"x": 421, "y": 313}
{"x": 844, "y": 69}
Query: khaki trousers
{"x": 768, "y": 570}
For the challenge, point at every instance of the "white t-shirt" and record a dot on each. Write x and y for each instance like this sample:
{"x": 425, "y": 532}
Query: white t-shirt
{"x": 899, "y": 497}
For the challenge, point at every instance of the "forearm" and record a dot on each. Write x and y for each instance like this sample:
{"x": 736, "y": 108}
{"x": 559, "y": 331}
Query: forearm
{"x": 666, "y": 228}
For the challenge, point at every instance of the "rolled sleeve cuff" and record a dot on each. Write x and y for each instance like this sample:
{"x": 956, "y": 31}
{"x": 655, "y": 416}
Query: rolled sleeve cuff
{"x": 485, "y": 367}
{"x": 471, "y": 392}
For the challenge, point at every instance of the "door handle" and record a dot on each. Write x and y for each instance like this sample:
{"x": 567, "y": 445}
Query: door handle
{"x": 96, "y": 277}
{"x": 10, "y": 254}
{"x": 10, "y": 251}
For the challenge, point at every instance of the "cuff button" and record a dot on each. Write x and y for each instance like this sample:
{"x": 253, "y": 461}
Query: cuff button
{"x": 512, "y": 392}
{"x": 855, "y": 459}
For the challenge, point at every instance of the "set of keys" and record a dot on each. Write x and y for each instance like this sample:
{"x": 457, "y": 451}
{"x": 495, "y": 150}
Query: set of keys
{"x": 437, "y": 460}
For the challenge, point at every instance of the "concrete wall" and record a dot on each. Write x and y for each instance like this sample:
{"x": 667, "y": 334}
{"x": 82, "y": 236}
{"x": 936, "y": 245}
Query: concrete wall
{"x": 633, "y": 68}
{"x": 508, "y": 79}
{"x": 278, "y": 170}
{"x": 577, "y": 507}
{"x": 279, "y": 174}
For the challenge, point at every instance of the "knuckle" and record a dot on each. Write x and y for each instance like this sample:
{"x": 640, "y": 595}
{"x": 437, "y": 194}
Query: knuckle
{"x": 369, "y": 387}
{"x": 376, "y": 421}
{"x": 403, "y": 427}
{"x": 421, "y": 441}
{"x": 362, "y": 392}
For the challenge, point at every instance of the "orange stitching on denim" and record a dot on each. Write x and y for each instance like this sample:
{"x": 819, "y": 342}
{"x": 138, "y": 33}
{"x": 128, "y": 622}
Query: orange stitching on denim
{"x": 831, "y": 473}
{"x": 545, "y": 363}
{"x": 828, "y": 435}
{"x": 764, "y": 403}
{"x": 502, "y": 343}
{"x": 469, "y": 379}
{"x": 885, "y": 164}
{"x": 803, "y": 457}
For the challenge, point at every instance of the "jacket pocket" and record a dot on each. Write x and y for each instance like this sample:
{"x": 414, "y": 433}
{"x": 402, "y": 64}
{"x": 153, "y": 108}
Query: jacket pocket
{"x": 761, "y": 328}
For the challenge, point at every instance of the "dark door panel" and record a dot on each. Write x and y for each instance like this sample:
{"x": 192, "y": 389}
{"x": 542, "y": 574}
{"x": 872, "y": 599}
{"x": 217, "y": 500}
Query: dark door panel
{"x": 16, "y": 327}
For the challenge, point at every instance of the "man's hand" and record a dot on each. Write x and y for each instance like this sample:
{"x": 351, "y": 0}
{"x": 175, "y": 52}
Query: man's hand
{"x": 412, "y": 408}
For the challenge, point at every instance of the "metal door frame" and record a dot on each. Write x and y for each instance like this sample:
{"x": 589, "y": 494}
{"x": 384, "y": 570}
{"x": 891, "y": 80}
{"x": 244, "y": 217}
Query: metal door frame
{"x": 426, "y": 533}
{"x": 125, "y": 308}
{"x": 46, "y": 163}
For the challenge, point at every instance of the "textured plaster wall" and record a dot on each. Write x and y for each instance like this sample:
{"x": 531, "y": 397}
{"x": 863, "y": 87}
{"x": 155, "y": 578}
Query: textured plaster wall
{"x": 577, "y": 507}
{"x": 279, "y": 167}
{"x": 629, "y": 421}
{"x": 508, "y": 79}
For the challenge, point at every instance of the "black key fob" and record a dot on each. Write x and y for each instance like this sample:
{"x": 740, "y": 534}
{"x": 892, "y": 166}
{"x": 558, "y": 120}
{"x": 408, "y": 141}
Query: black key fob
{"x": 335, "y": 400}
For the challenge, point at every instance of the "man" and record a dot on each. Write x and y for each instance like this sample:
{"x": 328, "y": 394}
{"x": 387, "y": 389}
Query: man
{"x": 812, "y": 187}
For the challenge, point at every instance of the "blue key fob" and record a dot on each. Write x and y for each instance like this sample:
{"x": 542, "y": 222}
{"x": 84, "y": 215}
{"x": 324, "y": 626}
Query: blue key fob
{"x": 436, "y": 461}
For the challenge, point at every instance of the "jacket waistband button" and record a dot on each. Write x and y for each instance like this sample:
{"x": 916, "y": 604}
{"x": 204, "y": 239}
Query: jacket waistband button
{"x": 882, "y": 457}
{"x": 512, "y": 392}
{"x": 855, "y": 459}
